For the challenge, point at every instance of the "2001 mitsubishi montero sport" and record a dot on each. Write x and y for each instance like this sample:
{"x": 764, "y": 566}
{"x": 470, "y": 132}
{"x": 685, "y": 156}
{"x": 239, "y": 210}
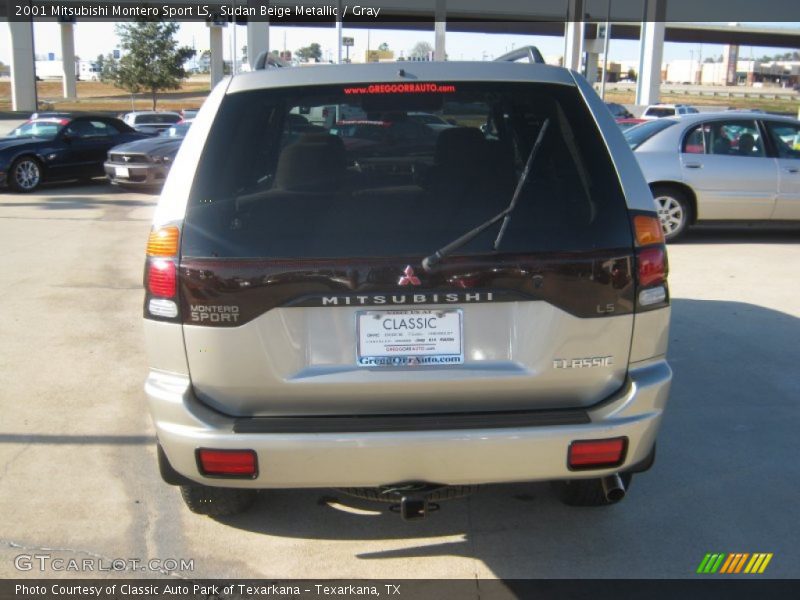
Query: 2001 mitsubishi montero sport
{"x": 399, "y": 310}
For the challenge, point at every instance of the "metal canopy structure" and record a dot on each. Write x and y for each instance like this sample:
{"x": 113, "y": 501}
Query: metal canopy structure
{"x": 653, "y": 22}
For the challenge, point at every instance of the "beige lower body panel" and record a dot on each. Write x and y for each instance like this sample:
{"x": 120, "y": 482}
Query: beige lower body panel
{"x": 472, "y": 456}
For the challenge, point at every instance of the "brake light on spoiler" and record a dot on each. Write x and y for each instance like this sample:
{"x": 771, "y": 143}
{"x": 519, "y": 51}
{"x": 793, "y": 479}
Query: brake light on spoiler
{"x": 161, "y": 273}
{"x": 651, "y": 263}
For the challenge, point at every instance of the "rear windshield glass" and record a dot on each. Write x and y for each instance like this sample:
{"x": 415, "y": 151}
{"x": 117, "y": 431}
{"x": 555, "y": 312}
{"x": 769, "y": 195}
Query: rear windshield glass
{"x": 158, "y": 118}
{"x": 660, "y": 112}
{"x": 636, "y": 136}
{"x": 353, "y": 171}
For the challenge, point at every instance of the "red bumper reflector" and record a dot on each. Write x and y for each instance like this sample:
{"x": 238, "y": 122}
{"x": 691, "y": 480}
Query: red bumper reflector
{"x": 241, "y": 463}
{"x": 597, "y": 453}
{"x": 161, "y": 278}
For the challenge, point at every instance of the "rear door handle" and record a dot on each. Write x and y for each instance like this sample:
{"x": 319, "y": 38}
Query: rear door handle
{"x": 792, "y": 169}
{"x": 693, "y": 166}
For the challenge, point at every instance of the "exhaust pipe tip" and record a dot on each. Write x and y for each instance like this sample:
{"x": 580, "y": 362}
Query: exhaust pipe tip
{"x": 613, "y": 488}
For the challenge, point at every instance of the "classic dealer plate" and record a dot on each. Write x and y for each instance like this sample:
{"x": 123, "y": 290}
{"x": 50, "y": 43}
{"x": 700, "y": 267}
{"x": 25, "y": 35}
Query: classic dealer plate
{"x": 399, "y": 338}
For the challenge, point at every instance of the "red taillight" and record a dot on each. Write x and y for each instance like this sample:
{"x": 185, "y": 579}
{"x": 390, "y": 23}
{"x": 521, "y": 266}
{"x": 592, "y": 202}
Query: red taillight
{"x": 161, "y": 278}
{"x": 652, "y": 266}
{"x": 234, "y": 463}
{"x": 595, "y": 454}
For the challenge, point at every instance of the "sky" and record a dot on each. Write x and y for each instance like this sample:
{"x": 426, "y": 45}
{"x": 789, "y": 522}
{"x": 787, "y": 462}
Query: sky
{"x": 95, "y": 38}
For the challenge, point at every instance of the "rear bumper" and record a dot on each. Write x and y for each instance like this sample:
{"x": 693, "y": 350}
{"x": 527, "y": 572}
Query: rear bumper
{"x": 450, "y": 456}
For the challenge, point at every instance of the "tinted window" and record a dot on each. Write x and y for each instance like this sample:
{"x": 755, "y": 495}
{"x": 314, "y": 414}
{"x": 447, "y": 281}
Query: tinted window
{"x": 660, "y": 112}
{"x": 726, "y": 138}
{"x": 636, "y": 136}
{"x": 617, "y": 110}
{"x": 694, "y": 142}
{"x": 157, "y": 118}
{"x": 104, "y": 128}
{"x": 786, "y": 137}
{"x": 43, "y": 129}
{"x": 268, "y": 186}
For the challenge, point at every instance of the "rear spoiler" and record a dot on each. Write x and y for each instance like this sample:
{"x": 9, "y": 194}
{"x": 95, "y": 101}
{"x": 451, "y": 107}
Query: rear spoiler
{"x": 265, "y": 59}
{"x": 531, "y": 53}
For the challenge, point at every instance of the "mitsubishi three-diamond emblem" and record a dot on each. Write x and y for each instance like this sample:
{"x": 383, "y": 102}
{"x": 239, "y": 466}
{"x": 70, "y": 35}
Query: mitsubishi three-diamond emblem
{"x": 409, "y": 277}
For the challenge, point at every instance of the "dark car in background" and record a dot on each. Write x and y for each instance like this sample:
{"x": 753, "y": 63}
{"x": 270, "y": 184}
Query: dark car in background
{"x": 144, "y": 164}
{"x": 59, "y": 148}
{"x": 619, "y": 111}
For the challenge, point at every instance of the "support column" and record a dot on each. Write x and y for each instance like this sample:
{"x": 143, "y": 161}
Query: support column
{"x": 23, "y": 74}
{"x": 592, "y": 61}
{"x": 339, "y": 25}
{"x": 573, "y": 35}
{"x": 257, "y": 41}
{"x": 439, "y": 31}
{"x": 215, "y": 44}
{"x": 651, "y": 52}
{"x": 68, "y": 59}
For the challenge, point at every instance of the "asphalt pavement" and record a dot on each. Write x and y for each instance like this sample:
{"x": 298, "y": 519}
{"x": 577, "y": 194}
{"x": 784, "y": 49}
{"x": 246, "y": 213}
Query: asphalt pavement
{"x": 78, "y": 477}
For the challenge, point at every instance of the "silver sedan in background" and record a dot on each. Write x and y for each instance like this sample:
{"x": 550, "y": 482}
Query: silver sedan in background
{"x": 720, "y": 167}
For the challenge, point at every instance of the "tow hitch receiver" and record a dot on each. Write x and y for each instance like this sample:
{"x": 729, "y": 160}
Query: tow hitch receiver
{"x": 414, "y": 500}
{"x": 414, "y": 508}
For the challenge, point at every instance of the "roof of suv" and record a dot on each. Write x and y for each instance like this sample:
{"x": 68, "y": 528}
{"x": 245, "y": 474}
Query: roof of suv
{"x": 412, "y": 72}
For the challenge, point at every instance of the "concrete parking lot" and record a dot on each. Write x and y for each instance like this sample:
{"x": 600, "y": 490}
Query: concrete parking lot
{"x": 78, "y": 474}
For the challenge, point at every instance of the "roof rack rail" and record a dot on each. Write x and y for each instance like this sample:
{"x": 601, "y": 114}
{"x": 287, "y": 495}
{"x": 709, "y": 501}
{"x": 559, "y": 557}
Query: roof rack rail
{"x": 530, "y": 52}
{"x": 265, "y": 59}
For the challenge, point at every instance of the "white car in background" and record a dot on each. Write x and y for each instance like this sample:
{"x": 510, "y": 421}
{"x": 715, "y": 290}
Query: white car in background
{"x": 658, "y": 111}
{"x": 731, "y": 166}
{"x": 150, "y": 121}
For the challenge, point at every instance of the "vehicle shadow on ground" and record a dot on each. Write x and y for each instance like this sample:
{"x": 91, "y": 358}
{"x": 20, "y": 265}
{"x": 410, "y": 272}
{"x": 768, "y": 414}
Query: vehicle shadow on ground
{"x": 740, "y": 234}
{"x": 79, "y": 196}
{"x": 728, "y": 435}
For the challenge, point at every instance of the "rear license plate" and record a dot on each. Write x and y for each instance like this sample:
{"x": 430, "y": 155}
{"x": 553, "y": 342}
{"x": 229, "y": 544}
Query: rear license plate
{"x": 400, "y": 338}
{"x": 122, "y": 172}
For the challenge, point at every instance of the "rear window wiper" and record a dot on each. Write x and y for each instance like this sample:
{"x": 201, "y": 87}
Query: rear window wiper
{"x": 434, "y": 259}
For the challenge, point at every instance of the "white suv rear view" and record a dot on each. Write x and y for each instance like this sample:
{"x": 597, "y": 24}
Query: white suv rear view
{"x": 399, "y": 311}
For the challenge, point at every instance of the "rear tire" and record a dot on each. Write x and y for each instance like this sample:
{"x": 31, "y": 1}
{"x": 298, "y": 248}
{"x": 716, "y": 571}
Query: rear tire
{"x": 674, "y": 211}
{"x": 586, "y": 492}
{"x": 217, "y": 502}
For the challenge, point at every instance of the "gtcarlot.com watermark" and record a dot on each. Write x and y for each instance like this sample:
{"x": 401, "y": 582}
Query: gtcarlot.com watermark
{"x": 88, "y": 564}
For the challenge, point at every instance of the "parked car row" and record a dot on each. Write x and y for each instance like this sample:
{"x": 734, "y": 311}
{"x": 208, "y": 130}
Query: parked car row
{"x": 60, "y": 146}
{"x": 145, "y": 163}
{"x": 731, "y": 165}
